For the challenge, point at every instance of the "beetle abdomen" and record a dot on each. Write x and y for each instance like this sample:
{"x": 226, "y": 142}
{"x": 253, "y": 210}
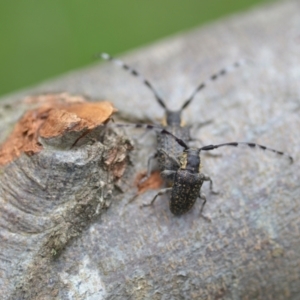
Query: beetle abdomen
{"x": 185, "y": 191}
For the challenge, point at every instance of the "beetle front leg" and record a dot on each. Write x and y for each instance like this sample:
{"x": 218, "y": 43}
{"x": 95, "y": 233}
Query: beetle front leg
{"x": 149, "y": 168}
{"x": 153, "y": 156}
{"x": 202, "y": 196}
{"x": 207, "y": 178}
{"x": 161, "y": 192}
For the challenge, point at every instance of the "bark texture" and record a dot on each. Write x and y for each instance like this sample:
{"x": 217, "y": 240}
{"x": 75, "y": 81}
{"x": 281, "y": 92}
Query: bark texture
{"x": 57, "y": 240}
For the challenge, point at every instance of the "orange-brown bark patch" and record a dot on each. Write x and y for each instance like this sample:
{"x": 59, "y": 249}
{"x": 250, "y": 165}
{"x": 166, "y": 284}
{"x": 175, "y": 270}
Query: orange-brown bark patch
{"x": 75, "y": 117}
{"x": 116, "y": 159}
{"x": 152, "y": 183}
{"x": 55, "y": 116}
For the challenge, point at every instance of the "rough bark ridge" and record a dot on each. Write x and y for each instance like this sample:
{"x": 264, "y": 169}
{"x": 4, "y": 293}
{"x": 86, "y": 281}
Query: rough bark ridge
{"x": 249, "y": 250}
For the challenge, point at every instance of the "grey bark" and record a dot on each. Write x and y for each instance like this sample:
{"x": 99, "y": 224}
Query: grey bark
{"x": 58, "y": 241}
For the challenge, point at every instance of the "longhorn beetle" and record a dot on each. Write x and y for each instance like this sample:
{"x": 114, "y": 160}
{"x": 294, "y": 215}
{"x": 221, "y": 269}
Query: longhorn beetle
{"x": 185, "y": 174}
{"x": 173, "y": 119}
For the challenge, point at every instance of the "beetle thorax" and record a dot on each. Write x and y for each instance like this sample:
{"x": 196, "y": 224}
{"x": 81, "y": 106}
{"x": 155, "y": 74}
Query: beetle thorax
{"x": 173, "y": 118}
{"x": 190, "y": 160}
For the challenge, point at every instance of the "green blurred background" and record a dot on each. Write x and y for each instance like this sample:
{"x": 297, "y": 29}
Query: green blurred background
{"x": 41, "y": 39}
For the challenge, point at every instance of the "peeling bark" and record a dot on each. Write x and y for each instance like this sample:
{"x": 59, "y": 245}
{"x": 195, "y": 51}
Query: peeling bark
{"x": 52, "y": 189}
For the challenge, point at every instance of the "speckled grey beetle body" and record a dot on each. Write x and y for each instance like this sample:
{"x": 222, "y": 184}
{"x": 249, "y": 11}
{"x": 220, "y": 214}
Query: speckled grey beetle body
{"x": 187, "y": 181}
{"x": 180, "y": 168}
{"x": 185, "y": 173}
{"x": 168, "y": 148}
{"x": 185, "y": 191}
{"x": 173, "y": 120}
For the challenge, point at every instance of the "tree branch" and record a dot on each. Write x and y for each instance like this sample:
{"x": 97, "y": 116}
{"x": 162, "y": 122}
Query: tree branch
{"x": 55, "y": 245}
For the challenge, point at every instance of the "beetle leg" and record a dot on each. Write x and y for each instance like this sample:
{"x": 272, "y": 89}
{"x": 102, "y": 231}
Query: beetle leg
{"x": 153, "y": 156}
{"x": 207, "y": 178}
{"x": 203, "y": 197}
{"x": 161, "y": 192}
{"x": 149, "y": 169}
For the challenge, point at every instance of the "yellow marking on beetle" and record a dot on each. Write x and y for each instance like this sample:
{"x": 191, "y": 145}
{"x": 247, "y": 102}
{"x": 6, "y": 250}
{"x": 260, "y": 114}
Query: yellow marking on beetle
{"x": 164, "y": 122}
{"x": 200, "y": 167}
{"x": 183, "y": 160}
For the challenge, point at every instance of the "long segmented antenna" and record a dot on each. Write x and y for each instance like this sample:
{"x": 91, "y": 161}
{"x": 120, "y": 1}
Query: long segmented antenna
{"x": 250, "y": 145}
{"x": 208, "y": 147}
{"x": 136, "y": 74}
{"x": 202, "y": 85}
{"x": 155, "y": 128}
